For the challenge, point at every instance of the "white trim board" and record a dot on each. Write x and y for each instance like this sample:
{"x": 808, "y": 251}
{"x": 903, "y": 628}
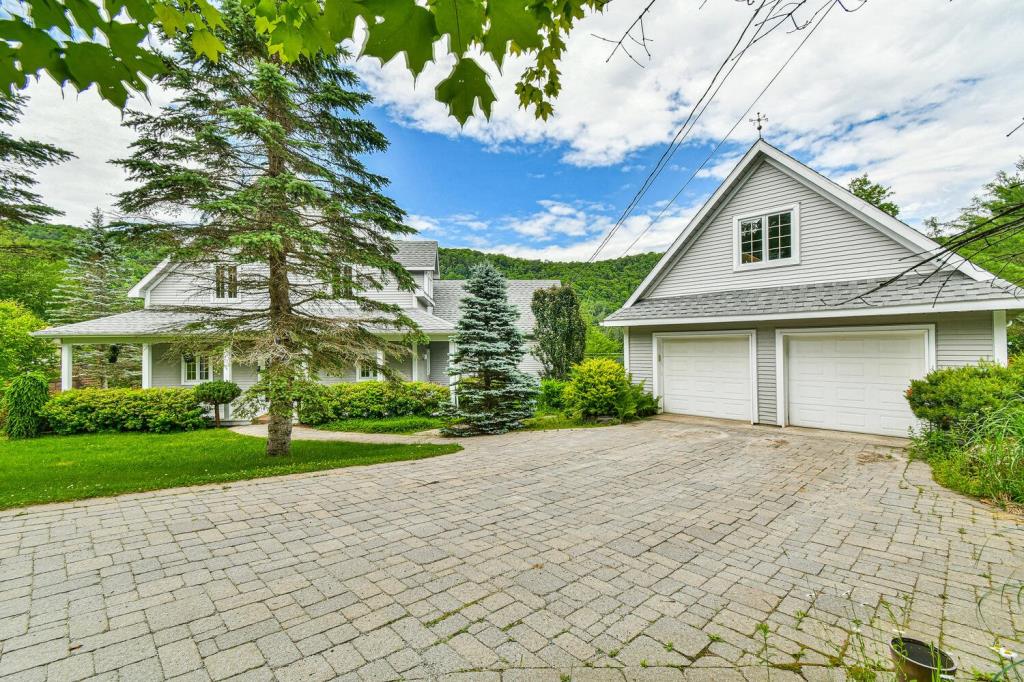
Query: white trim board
{"x": 1000, "y": 350}
{"x": 923, "y": 309}
{"x": 931, "y": 352}
{"x": 658, "y": 337}
{"x": 872, "y": 215}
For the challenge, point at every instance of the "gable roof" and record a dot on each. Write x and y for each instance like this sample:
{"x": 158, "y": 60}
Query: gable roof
{"x": 412, "y": 255}
{"x": 868, "y": 213}
{"x": 449, "y": 292}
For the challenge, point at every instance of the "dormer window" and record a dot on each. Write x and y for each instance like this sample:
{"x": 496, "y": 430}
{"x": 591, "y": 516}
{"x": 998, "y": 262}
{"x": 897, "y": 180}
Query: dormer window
{"x": 768, "y": 239}
{"x": 225, "y": 283}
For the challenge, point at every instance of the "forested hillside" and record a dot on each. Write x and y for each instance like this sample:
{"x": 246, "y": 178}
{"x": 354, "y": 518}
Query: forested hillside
{"x": 603, "y": 286}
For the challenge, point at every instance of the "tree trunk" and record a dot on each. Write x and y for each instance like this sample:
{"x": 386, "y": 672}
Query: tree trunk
{"x": 216, "y": 415}
{"x": 279, "y": 434}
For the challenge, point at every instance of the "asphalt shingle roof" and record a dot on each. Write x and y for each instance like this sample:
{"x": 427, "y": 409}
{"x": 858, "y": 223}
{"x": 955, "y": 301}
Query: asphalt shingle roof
{"x": 944, "y": 287}
{"x": 417, "y": 255}
{"x": 448, "y": 293}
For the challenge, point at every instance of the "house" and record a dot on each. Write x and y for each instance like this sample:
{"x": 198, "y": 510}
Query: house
{"x": 766, "y": 308}
{"x": 433, "y": 305}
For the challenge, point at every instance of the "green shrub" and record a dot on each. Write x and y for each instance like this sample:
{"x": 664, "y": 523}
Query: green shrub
{"x": 985, "y": 459}
{"x": 215, "y": 394}
{"x": 948, "y": 398}
{"x": 599, "y": 388}
{"x": 371, "y": 400}
{"x": 646, "y": 403}
{"x": 552, "y": 396}
{"x": 158, "y": 410}
{"x": 24, "y": 399}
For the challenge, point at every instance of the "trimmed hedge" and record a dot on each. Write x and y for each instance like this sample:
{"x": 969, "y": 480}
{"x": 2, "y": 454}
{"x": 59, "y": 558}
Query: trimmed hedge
{"x": 601, "y": 388}
{"x": 551, "y": 397}
{"x": 157, "y": 410}
{"x": 954, "y": 396}
{"x": 372, "y": 400}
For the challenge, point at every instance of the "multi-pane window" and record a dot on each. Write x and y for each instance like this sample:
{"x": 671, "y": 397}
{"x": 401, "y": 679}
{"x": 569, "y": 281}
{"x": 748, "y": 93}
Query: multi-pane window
{"x": 367, "y": 372}
{"x": 341, "y": 281}
{"x": 751, "y": 241}
{"x": 780, "y": 236}
{"x": 196, "y": 369}
{"x": 766, "y": 239}
{"x": 226, "y": 282}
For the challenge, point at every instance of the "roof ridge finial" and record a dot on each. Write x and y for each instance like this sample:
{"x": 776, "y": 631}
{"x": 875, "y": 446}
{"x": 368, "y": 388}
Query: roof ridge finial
{"x": 758, "y": 121}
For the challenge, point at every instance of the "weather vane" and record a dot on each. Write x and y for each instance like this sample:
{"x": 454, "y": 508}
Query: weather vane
{"x": 759, "y": 120}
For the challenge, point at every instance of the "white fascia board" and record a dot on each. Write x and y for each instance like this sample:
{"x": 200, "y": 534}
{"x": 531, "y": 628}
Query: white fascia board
{"x": 139, "y": 290}
{"x": 960, "y": 306}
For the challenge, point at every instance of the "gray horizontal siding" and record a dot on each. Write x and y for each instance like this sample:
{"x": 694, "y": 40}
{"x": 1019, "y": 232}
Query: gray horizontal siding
{"x": 960, "y": 339}
{"x": 439, "y": 362}
{"x": 834, "y": 244}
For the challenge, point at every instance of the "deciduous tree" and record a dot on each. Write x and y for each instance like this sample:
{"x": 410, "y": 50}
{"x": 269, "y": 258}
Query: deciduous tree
{"x": 561, "y": 332}
{"x": 874, "y": 193}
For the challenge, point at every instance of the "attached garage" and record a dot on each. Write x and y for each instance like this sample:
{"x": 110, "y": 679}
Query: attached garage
{"x": 707, "y": 374}
{"x": 851, "y": 379}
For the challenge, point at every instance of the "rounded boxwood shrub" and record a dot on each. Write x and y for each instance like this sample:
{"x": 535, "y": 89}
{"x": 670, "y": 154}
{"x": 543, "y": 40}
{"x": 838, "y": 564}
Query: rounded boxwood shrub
{"x": 954, "y": 396}
{"x": 215, "y": 394}
{"x": 371, "y": 400}
{"x": 157, "y": 410}
{"x": 24, "y": 400}
{"x": 599, "y": 388}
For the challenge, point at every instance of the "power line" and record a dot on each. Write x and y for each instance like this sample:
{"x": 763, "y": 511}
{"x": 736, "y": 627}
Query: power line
{"x": 780, "y": 18}
{"x": 735, "y": 125}
{"x": 679, "y": 136}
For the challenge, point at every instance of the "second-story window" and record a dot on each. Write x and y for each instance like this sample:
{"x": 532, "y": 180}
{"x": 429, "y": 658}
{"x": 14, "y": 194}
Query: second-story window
{"x": 225, "y": 283}
{"x": 341, "y": 281}
{"x": 767, "y": 239}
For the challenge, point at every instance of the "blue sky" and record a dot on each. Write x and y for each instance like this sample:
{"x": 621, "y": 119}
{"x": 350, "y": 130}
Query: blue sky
{"x": 918, "y": 94}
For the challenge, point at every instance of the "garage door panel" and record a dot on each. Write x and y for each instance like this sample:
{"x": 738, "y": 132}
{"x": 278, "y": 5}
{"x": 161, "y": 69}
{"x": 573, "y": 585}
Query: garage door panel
{"x": 853, "y": 380}
{"x": 707, "y": 376}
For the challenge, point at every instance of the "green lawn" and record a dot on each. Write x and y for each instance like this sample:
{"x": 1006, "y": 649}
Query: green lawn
{"x": 547, "y": 422}
{"x": 385, "y": 425}
{"x": 62, "y": 468}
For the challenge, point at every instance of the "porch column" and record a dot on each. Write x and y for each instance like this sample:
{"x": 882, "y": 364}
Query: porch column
{"x": 227, "y": 373}
{"x": 452, "y": 380}
{"x": 147, "y": 365}
{"x": 415, "y": 361}
{"x": 380, "y": 365}
{"x": 66, "y": 380}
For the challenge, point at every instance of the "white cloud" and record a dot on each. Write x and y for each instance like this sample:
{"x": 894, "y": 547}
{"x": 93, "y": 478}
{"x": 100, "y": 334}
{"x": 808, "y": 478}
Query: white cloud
{"x": 918, "y": 94}
{"x": 89, "y": 127}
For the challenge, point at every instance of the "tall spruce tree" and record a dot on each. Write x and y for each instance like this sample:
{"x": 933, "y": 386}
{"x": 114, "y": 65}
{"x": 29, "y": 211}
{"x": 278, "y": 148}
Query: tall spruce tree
{"x": 561, "y": 332}
{"x": 494, "y": 395}
{"x": 95, "y": 284}
{"x": 260, "y": 162}
{"x": 19, "y": 159}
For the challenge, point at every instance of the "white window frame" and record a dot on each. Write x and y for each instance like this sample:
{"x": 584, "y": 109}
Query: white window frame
{"x": 213, "y": 294}
{"x": 359, "y": 373}
{"x": 658, "y": 338}
{"x": 931, "y": 353}
{"x": 198, "y": 380}
{"x": 794, "y": 258}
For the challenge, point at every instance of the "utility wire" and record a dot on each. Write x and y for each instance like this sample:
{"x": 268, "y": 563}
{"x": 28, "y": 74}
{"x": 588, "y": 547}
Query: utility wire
{"x": 679, "y": 137}
{"x": 735, "y": 125}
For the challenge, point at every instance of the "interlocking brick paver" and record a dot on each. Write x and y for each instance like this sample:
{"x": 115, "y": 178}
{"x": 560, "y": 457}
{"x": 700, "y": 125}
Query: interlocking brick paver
{"x": 641, "y": 552}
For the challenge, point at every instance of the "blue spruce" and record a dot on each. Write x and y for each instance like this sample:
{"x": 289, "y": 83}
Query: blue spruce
{"x": 494, "y": 395}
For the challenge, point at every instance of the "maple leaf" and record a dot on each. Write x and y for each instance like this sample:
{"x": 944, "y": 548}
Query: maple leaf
{"x": 407, "y": 28}
{"x": 466, "y": 84}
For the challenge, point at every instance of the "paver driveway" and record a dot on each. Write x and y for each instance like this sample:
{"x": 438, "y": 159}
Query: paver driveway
{"x": 648, "y": 551}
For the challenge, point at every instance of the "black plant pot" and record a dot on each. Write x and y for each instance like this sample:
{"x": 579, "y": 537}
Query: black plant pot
{"x": 919, "y": 662}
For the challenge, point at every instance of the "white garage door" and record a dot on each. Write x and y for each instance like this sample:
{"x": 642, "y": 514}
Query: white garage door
{"x": 708, "y": 376}
{"x": 854, "y": 381}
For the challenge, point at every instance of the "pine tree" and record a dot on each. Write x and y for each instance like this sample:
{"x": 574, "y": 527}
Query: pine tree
{"x": 561, "y": 332}
{"x": 19, "y": 158}
{"x": 260, "y": 163}
{"x": 493, "y": 394}
{"x": 95, "y": 284}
